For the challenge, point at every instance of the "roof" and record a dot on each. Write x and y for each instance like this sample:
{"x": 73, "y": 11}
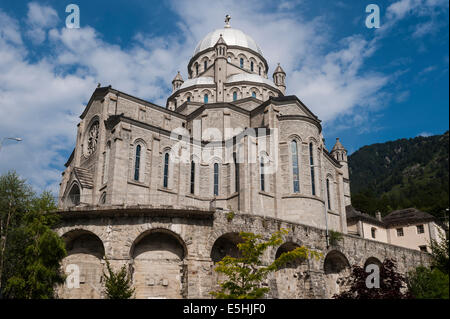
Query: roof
{"x": 249, "y": 77}
{"x": 337, "y": 146}
{"x": 84, "y": 176}
{"x": 279, "y": 69}
{"x": 178, "y": 77}
{"x": 231, "y": 37}
{"x": 407, "y": 216}
{"x": 197, "y": 81}
{"x": 353, "y": 214}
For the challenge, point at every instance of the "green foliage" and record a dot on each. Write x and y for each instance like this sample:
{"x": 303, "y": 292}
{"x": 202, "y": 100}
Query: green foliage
{"x": 246, "y": 274}
{"x": 392, "y": 284}
{"x": 424, "y": 283}
{"x": 401, "y": 174}
{"x": 32, "y": 251}
{"x": 117, "y": 284}
{"x": 230, "y": 215}
{"x": 439, "y": 253}
{"x": 334, "y": 237}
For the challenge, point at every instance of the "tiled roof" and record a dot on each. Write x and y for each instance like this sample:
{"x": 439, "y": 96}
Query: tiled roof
{"x": 406, "y": 216}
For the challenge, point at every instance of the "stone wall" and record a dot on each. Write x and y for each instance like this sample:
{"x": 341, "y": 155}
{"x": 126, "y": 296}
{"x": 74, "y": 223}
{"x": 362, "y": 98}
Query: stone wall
{"x": 170, "y": 251}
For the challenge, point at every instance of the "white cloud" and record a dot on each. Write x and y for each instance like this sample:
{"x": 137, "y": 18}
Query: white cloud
{"x": 425, "y": 134}
{"x": 39, "y": 19}
{"x": 426, "y": 9}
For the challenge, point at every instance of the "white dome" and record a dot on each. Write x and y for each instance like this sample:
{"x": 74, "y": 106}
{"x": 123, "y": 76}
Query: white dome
{"x": 249, "y": 77}
{"x": 231, "y": 37}
{"x": 197, "y": 81}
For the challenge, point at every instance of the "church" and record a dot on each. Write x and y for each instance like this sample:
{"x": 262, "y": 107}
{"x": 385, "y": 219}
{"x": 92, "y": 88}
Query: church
{"x": 165, "y": 190}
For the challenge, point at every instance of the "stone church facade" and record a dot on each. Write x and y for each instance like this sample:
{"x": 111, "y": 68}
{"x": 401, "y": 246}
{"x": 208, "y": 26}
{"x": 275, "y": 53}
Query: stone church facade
{"x": 166, "y": 190}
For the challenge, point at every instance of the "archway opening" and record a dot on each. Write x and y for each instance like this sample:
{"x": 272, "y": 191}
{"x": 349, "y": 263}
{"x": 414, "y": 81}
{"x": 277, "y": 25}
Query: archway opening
{"x": 83, "y": 265}
{"x": 226, "y": 245}
{"x": 158, "y": 268}
{"x": 336, "y": 272}
{"x": 73, "y": 198}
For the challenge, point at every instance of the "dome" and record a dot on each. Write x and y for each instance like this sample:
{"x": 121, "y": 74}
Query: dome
{"x": 197, "y": 81}
{"x": 231, "y": 37}
{"x": 250, "y": 78}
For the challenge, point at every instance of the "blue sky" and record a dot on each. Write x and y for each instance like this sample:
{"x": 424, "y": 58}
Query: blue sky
{"x": 367, "y": 85}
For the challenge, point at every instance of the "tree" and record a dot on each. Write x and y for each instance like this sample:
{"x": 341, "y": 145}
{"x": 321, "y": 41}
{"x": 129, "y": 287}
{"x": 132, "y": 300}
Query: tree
{"x": 117, "y": 284}
{"x": 392, "y": 284}
{"x": 30, "y": 252}
{"x": 246, "y": 273}
{"x": 34, "y": 253}
{"x": 439, "y": 253}
{"x": 424, "y": 283}
{"x": 15, "y": 198}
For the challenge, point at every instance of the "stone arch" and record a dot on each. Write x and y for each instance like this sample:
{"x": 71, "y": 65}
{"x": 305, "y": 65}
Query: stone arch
{"x": 158, "y": 268}
{"x": 372, "y": 260}
{"x": 73, "y": 197}
{"x": 336, "y": 270}
{"x": 287, "y": 247}
{"x": 85, "y": 252}
{"x": 225, "y": 245}
{"x": 293, "y": 279}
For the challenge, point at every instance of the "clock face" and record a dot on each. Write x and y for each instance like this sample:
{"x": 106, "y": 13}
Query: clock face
{"x": 92, "y": 138}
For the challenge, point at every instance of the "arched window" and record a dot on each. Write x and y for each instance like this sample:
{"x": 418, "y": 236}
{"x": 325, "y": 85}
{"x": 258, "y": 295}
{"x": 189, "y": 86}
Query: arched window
{"x": 205, "y": 98}
{"x": 311, "y": 162}
{"x": 188, "y": 99}
{"x": 251, "y": 66}
{"x": 166, "y": 171}
{"x": 328, "y": 194}
{"x": 205, "y": 65}
{"x": 234, "y": 96}
{"x": 216, "y": 179}
{"x": 229, "y": 59}
{"x": 259, "y": 70}
{"x": 192, "y": 177}
{"x": 137, "y": 163}
{"x": 262, "y": 175}
{"x": 241, "y": 63}
{"x": 74, "y": 196}
{"x": 106, "y": 163}
{"x": 254, "y": 94}
{"x": 196, "y": 69}
{"x": 295, "y": 171}
{"x": 103, "y": 199}
{"x": 236, "y": 173}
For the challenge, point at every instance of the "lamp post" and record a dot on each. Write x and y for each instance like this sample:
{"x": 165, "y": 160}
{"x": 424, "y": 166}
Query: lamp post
{"x": 17, "y": 139}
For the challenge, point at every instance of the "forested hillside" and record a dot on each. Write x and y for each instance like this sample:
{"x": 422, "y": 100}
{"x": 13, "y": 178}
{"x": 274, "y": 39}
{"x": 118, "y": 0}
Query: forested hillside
{"x": 400, "y": 174}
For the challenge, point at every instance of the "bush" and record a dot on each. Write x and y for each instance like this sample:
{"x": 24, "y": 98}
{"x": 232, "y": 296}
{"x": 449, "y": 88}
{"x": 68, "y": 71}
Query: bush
{"x": 424, "y": 283}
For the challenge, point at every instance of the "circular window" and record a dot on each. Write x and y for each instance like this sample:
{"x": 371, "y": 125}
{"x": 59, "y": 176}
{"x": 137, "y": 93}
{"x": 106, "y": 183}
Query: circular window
{"x": 92, "y": 138}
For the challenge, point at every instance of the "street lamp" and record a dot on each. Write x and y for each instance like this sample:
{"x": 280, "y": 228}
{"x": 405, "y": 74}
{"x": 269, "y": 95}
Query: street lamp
{"x": 17, "y": 139}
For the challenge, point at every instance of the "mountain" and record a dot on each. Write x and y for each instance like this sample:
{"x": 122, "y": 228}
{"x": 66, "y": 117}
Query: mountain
{"x": 400, "y": 174}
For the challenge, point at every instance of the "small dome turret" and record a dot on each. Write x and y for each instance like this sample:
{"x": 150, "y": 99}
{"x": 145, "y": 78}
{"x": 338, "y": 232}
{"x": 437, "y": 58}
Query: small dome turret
{"x": 279, "y": 78}
{"x": 177, "y": 82}
{"x": 339, "y": 152}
